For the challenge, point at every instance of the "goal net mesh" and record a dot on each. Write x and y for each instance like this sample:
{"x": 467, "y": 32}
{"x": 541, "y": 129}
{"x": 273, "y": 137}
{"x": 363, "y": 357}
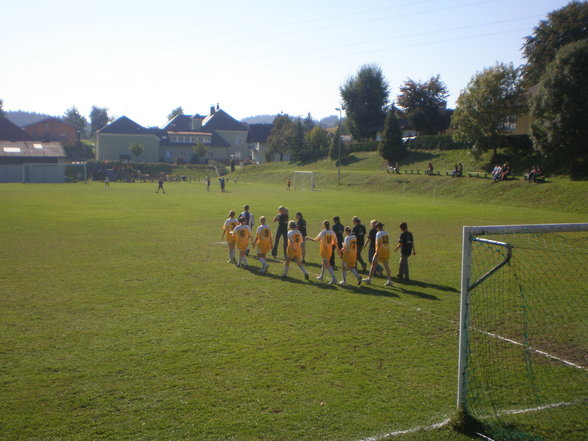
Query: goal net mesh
{"x": 53, "y": 173}
{"x": 304, "y": 181}
{"x": 527, "y": 355}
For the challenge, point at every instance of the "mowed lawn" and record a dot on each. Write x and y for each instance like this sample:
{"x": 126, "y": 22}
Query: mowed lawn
{"x": 120, "y": 318}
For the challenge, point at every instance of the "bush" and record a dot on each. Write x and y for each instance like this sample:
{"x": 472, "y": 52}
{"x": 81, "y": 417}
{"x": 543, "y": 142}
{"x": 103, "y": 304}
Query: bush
{"x": 435, "y": 142}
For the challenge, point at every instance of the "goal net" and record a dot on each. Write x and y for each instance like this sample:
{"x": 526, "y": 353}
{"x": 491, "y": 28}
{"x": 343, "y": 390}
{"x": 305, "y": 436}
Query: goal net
{"x": 304, "y": 180}
{"x": 523, "y": 355}
{"x": 53, "y": 173}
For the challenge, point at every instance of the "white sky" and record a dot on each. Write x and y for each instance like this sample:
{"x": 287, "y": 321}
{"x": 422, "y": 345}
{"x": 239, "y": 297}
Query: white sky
{"x": 141, "y": 58}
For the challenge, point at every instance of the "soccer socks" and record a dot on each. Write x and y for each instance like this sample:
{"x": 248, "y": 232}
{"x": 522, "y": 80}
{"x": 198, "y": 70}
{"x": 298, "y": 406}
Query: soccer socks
{"x": 302, "y": 268}
{"x": 244, "y": 260}
{"x": 355, "y": 273}
{"x": 344, "y": 276}
{"x": 332, "y": 273}
{"x": 262, "y": 260}
{"x": 286, "y": 270}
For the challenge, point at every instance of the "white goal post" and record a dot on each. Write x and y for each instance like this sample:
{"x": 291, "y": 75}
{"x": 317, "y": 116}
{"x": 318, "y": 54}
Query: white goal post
{"x": 305, "y": 180}
{"x": 507, "y": 243}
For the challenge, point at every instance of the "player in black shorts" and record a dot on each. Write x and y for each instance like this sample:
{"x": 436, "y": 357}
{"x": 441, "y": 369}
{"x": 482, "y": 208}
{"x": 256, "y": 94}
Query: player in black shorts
{"x": 359, "y": 232}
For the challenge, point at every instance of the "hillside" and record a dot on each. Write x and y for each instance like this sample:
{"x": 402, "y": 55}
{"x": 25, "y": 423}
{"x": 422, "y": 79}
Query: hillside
{"x": 365, "y": 172}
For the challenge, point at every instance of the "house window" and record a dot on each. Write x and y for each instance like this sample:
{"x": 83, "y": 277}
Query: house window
{"x": 238, "y": 140}
{"x": 168, "y": 153}
{"x": 238, "y": 155}
{"x": 210, "y": 154}
{"x": 510, "y": 123}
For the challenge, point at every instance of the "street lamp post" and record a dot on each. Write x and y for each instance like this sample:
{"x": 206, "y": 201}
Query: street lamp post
{"x": 339, "y": 161}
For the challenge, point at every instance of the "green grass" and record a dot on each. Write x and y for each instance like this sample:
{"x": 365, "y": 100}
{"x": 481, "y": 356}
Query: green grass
{"x": 119, "y": 318}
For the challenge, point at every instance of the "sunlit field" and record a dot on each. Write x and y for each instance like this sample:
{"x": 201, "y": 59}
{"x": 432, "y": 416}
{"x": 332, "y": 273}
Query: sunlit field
{"x": 120, "y": 318}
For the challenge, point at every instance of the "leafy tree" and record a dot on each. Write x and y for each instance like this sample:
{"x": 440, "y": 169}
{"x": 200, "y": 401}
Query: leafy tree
{"x": 317, "y": 142}
{"x": 391, "y": 147}
{"x": 2, "y": 113}
{"x": 175, "y": 112}
{"x": 563, "y": 26}
{"x": 488, "y": 101}
{"x": 559, "y": 110}
{"x": 425, "y": 104}
{"x": 365, "y": 96}
{"x": 136, "y": 149}
{"x": 279, "y": 138}
{"x": 298, "y": 148}
{"x": 75, "y": 118}
{"x": 98, "y": 118}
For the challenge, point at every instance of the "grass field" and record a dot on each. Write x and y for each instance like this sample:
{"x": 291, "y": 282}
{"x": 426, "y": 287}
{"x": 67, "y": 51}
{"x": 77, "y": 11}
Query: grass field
{"x": 120, "y": 318}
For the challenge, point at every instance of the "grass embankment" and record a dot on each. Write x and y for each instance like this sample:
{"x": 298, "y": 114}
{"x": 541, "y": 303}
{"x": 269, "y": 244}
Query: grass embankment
{"x": 364, "y": 172}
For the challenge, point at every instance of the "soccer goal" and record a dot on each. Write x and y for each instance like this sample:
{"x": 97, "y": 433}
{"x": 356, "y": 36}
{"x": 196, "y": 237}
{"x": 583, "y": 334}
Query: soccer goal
{"x": 305, "y": 180}
{"x": 523, "y": 336}
{"x": 53, "y": 173}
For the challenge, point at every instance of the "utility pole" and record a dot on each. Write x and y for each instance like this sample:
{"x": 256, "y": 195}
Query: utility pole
{"x": 339, "y": 161}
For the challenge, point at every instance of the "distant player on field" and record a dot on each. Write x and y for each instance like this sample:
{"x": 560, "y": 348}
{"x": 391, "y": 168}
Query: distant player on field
{"x": 107, "y": 182}
{"x": 228, "y": 228}
{"x": 263, "y": 240}
{"x": 160, "y": 184}
{"x": 349, "y": 257}
{"x": 406, "y": 245}
{"x": 243, "y": 233}
{"x": 326, "y": 239}
{"x": 288, "y": 184}
{"x": 382, "y": 254}
{"x": 294, "y": 250}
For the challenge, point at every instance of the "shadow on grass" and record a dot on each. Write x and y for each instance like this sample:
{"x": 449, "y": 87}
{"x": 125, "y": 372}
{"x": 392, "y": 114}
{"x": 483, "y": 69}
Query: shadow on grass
{"x": 429, "y": 285}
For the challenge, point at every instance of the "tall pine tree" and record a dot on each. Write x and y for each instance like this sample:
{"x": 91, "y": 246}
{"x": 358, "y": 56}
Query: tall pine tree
{"x": 391, "y": 147}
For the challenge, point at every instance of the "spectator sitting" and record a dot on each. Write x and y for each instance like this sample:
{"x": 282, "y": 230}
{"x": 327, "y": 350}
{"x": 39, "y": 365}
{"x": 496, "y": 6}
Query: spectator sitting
{"x": 505, "y": 171}
{"x": 429, "y": 170}
{"x": 457, "y": 171}
{"x": 534, "y": 173}
{"x": 460, "y": 170}
{"x": 396, "y": 168}
{"x": 496, "y": 172}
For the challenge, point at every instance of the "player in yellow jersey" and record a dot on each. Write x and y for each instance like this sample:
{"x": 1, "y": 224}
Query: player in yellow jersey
{"x": 228, "y": 228}
{"x": 242, "y": 234}
{"x": 294, "y": 249}
{"x": 327, "y": 241}
{"x": 349, "y": 256}
{"x": 382, "y": 254}
{"x": 264, "y": 242}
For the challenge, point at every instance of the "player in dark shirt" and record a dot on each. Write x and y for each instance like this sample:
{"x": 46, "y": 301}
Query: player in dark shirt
{"x": 160, "y": 185}
{"x": 282, "y": 219}
{"x": 338, "y": 228}
{"x": 301, "y": 225}
{"x": 406, "y": 245}
{"x": 359, "y": 232}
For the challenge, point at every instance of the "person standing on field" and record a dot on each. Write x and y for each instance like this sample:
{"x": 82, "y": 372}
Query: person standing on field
{"x": 349, "y": 257}
{"x": 107, "y": 182}
{"x": 301, "y": 226}
{"x": 327, "y": 243}
{"x": 263, "y": 240}
{"x": 160, "y": 184}
{"x": 338, "y": 229}
{"x": 249, "y": 220}
{"x": 207, "y": 183}
{"x": 382, "y": 255}
{"x": 282, "y": 219}
{"x": 288, "y": 184}
{"x": 406, "y": 245}
{"x": 359, "y": 232}
{"x": 371, "y": 243}
{"x": 294, "y": 250}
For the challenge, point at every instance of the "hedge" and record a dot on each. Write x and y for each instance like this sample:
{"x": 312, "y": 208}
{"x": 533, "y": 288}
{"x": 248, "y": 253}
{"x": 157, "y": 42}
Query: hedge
{"x": 435, "y": 142}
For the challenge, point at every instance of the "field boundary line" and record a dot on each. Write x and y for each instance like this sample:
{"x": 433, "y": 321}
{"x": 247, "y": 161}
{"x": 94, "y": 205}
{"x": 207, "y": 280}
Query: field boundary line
{"x": 406, "y": 431}
{"x": 537, "y": 351}
{"x": 544, "y": 407}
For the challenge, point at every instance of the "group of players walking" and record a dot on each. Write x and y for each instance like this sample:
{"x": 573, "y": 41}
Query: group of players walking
{"x": 347, "y": 242}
